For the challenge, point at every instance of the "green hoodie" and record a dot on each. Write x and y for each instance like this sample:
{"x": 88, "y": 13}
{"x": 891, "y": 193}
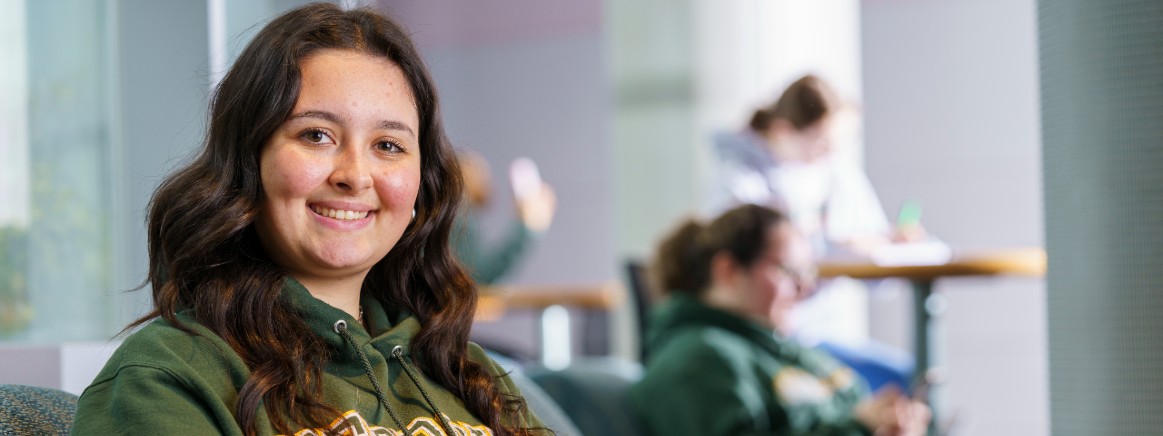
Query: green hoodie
{"x": 714, "y": 373}
{"x": 163, "y": 380}
{"x": 489, "y": 263}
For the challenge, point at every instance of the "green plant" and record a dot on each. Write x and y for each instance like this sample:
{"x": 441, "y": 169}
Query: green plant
{"x": 15, "y": 312}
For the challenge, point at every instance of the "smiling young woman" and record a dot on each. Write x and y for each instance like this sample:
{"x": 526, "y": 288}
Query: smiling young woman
{"x": 300, "y": 265}
{"x": 340, "y": 177}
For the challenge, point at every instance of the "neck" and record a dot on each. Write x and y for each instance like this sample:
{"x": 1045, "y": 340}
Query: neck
{"x": 774, "y": 143}
{"x": 342, "y": 294}
{"x": 723, "y": 299}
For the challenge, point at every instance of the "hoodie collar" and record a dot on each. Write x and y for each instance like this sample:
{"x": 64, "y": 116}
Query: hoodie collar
{"x": 387, "y": 330}
{"x": 681, "y": 310}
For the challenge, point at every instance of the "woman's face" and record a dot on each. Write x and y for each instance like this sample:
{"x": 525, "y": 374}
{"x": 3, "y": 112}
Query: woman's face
{"x": 341, "y": 174}
{"x": 809, "y": 144}
{"x": 818, "y": 140}
{"x": 780, "y": 277}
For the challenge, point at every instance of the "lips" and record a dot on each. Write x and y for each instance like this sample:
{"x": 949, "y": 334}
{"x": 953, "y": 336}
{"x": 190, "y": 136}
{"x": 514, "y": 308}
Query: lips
{"x": 339, "y": 214}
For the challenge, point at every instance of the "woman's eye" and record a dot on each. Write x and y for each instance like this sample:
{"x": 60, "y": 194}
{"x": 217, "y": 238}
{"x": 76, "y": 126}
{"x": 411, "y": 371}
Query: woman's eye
{"x": 389, "y": 147}
{"x": 315, "y": 135}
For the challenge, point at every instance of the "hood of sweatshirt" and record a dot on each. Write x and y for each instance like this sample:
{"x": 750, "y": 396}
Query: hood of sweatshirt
{"x": 373, "y": 366}
{"x": 681, "y": 311}
{"x": 384, "y": 331}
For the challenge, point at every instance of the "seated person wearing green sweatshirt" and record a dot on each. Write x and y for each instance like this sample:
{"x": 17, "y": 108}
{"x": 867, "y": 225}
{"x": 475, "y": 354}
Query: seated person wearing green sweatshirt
{"x": 300, "y": 266}
{"x": 716, "y": 367}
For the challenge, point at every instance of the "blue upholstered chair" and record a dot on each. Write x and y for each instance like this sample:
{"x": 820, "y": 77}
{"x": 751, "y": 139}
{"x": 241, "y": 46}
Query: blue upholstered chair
{"x": 594, "y": 393}
{"x": 538, "y": 401}
{"x": 30, "y": 410}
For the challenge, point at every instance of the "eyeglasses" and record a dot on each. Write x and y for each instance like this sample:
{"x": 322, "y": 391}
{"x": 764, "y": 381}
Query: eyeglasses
{"x": 802, "y": 275}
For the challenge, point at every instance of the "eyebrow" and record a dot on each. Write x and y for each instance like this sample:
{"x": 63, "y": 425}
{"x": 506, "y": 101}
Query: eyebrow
{"x": 328, "y": 116}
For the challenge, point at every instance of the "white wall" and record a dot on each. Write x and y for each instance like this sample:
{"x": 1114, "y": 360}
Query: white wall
{"x": 68, "y": 366}
{"x": 951, "y": 120}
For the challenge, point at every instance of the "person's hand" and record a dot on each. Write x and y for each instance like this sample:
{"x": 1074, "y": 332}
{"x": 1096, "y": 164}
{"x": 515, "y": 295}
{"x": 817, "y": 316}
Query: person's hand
{"x": 909, "y": 233}
{"x": 912, "y": 418}
{"x": 537, "y": 208}
{"x": 891, "y": 413}
{"x": 536, "y": 202}
{"x": 879, "y": 412}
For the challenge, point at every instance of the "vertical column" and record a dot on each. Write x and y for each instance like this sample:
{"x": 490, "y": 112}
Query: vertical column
{"x": 14, "y": 169}
{"x": 1102, "y": 121}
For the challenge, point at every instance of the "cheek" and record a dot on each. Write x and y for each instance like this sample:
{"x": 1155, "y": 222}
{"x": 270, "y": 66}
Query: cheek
{"x": 288, "y": 176}
{"x": 399, "y": 188}
{"x": 777, "y": 290}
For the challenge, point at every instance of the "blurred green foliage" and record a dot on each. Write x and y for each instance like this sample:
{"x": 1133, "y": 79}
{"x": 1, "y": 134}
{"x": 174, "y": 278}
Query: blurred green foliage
{"x": 15, "y": 311}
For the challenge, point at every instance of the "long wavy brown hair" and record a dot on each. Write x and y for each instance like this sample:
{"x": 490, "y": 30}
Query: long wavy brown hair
{"x": 205, "y": 256}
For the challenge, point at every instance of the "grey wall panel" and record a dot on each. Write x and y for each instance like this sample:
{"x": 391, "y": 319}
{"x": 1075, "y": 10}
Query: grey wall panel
{"x": 1102, "y": 117}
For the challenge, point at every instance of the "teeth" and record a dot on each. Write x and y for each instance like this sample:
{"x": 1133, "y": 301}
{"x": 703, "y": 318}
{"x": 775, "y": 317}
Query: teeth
{"x": 344, "y": 215}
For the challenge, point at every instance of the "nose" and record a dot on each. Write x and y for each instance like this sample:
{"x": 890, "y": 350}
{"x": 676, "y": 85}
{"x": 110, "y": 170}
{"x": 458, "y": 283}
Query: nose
{"x": 805, "y": 287}
{"x": 351, "y": 172}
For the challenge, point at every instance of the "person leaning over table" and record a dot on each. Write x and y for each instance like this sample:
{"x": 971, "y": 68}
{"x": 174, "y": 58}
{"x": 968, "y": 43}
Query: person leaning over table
{"x": 300, "y": 264}
{"x": 717, "y": 368}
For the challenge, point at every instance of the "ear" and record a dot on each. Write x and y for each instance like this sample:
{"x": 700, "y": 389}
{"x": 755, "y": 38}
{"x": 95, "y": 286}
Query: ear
{"x": 723, "y": 269}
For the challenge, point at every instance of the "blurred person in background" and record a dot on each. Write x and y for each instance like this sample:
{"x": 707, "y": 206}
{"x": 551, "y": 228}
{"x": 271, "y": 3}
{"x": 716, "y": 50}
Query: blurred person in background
{"x": 721, "y": 363}
{"x": 300, "y": 265}
{"x": 790, "y": 157}
{"x": 534, "y": 202}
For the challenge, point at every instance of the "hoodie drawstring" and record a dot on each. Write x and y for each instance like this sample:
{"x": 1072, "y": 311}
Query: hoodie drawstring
{"x": 398, "y": 354}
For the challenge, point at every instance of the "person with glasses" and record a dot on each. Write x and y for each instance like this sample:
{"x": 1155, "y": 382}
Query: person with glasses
{"x": 720, "y": 360}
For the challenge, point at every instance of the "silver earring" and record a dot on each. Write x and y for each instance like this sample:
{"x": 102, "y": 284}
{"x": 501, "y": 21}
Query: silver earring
{"x": 413, "y": 213}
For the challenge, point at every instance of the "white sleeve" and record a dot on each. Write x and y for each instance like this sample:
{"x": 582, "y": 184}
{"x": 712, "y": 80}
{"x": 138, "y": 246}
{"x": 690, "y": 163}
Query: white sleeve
{"x": 853, "y": 208}
{"x": 734, "y": 185}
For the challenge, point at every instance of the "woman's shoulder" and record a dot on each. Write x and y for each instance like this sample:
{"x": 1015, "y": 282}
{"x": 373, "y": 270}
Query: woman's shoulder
{"x": 160, "y": 335}
{"x": 704, "y": 345}
{"x": 162, "y": 346}
{"x": 164, "y": 380}
{"x": 478, "y": 355}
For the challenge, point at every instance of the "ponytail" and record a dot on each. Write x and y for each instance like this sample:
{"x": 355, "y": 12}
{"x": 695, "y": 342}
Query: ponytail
{"x": 761, "y": 119}
{"x": 682, "y": 263}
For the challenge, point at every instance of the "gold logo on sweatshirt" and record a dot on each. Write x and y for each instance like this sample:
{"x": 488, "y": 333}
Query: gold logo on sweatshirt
{"x": 353, "y": 424}
{"x": 795, "y": 386}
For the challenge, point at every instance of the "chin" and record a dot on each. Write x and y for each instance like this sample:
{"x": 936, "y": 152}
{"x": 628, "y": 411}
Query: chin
{"x": 346, "y": 263}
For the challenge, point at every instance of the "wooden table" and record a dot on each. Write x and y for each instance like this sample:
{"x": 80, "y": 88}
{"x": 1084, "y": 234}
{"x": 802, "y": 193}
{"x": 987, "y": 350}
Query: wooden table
{"x": 1026, "y": 262}
{"x": 495, "y": 300}
{"x": 554, "y": 333}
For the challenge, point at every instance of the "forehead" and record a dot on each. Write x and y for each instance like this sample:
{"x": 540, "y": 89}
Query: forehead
{"x": 786, "y": 243}
{"x": 357, "y": 82}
